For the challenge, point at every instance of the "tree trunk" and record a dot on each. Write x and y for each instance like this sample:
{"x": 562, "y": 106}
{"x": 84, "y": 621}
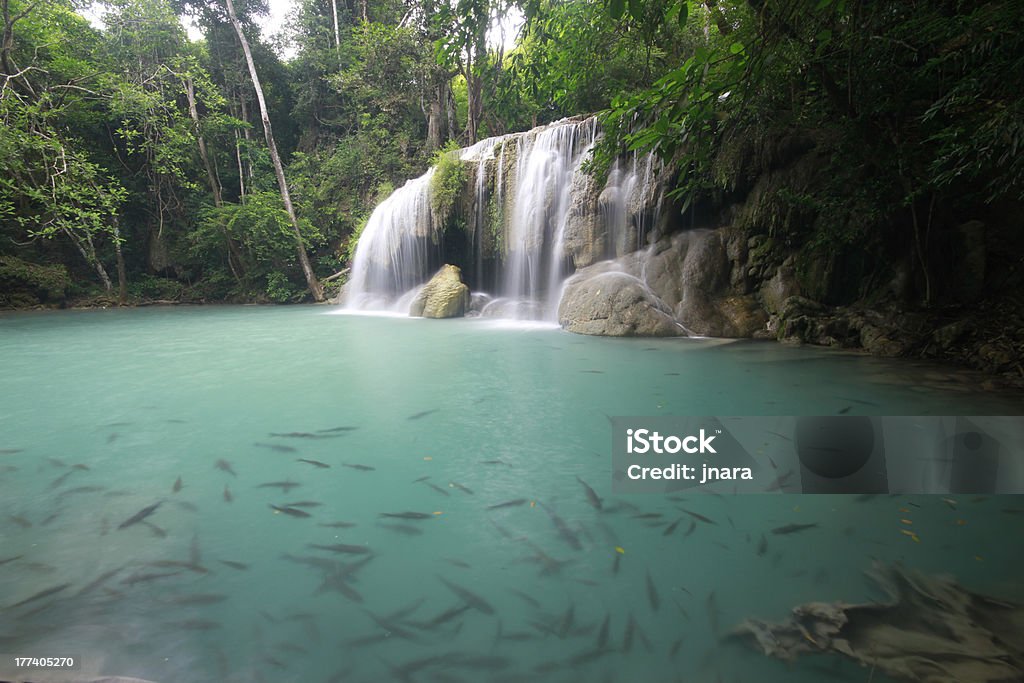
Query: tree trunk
{"x": 275, "y": 158}
{"x": 90, "y": 257}
{"x": 337, "y": 33}
{"x": 434, "y": 122}
{"x": 193, "y": 111}
{"x": 122, "y": 278}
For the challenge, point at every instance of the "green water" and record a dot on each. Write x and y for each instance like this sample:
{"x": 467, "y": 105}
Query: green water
{"x": 143, "y": 397}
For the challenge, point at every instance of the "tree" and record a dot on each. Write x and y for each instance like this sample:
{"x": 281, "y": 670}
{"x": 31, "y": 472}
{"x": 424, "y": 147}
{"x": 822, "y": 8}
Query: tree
{"x": 307, "y": 269}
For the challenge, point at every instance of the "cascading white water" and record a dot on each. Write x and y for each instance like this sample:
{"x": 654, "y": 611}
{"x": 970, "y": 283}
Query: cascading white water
{"x": 393, "y": 253}
{"x": 525, "y": 211}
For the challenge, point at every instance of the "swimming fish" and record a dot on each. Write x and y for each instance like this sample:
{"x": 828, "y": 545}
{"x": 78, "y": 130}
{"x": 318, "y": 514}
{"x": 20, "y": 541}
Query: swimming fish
{"x": 277, "y": 447}
{"x": 423, "y": 414}
{"x": 227, "y": 494}
{"x": 292, "y": 512}
{"x": 177, "y": 485}
{"x": 468, "y": 597}
{"x": 592, "y": 497}
{"x": 507, "y": 504}
{"x": 226, "y": 467}
{"x": 140, "y": 515}
{"x": 792, "y": 528}
{"x": 406, "y": 515}
{"x": 652, "y": 593}
{"x": 285, "y": 486}
{"x": 361, "y": 468}
{"x": 314, "y": 463}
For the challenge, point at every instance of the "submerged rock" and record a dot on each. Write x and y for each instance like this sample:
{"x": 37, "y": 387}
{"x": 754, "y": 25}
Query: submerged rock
{"x": 930, "y": 630}
{"x": 445, "y": 296}
{"x": 601, "y": 301}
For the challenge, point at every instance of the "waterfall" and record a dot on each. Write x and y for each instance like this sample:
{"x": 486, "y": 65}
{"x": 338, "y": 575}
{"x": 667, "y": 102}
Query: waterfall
{"x": 528, "y": 218}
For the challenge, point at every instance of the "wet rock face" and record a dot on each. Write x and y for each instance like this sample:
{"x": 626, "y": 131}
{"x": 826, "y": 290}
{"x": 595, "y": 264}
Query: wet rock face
{"x": 603, "y": 301}
{"x": 445, "y": 296}
{"x": 680, "y": 285}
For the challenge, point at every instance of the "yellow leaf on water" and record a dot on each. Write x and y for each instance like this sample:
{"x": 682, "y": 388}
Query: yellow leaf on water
{"x": 427, "y": 458}
{"x": 438, "y": 512}
{"x": 619, "y": 550}
{"x": 906, "y": 521}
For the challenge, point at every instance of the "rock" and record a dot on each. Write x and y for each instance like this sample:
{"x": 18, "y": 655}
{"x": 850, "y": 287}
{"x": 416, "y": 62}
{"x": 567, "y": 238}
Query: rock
{"x": 585, "y": 233}
{"x": 445, "y": 296}
{"x": 948, "y": 335}
{"x": 602, "y": 301}
{"x": 878, "y": 342}
{"x": 781, "y": 287}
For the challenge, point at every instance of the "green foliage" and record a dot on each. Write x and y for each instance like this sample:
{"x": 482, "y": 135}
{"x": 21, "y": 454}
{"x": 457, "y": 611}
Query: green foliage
{"x": 25, "y": 282}
{"x": 449, "y": 179}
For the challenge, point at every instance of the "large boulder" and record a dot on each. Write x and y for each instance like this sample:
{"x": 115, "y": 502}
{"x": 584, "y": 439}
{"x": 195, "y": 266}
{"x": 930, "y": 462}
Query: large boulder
{"x": 445, "y": 296}
{"x": 602, "y": 301}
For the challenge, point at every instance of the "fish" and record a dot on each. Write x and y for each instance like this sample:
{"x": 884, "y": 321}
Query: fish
{"x": 567, "y": 534}
{"x": 200, "y": 599}
{"x": 356, "y": 466}
{"x": 285, "y": 486}
{"x": 437, "y": 488}
{"x": 303, "y": 504}
{"x": 196, "y": 624}
{"x": 468, "y": 597}
{"x": 82, "y": 489}
{"x": 762, "y": 546}
{"x": 296, "y": 435}
{"x": 341, "y": 548}
{"x": 314, "y": 463}
{"x": 602, "y": 635}
{"x": 444, "y": 617}
{"x": 240, "y": 566}
{"x": 406, "y": 529}
{"x": 225, "y": 466}
{"x": 494, "y": 462}
{"x": 10, "y": 451}
{"x": 41, "y": 594}
{"x": 153, "y": 576}
{"x": 691, "y": 528}
{"x": 460, "y": 487}
{"x": 594, "y": 372}
{"x": 671, "y": 527}
{"x": 652, "y": 593}
{"x": 528, "y": 599}
{"x": 227, "y": 494}
{"x": 61, "y": 479}
{"x": 423, "y": 414}
{"x": 21, "y": 521}
{"x": 458, "y": 563}
{"x": 177, "y": 485}
{"x": 157, "y": 531}
{"x": 423, "y": 478}
{"x": 337, "y": 525}
{"x": 567, "y": 621}
{"x": 406, "y": 515}
{"x": 592, "y": 497}
{"x": 615, "y": 564}
{"x": 844, "y": 411}
{"x": 698, "y": 516}
{"x": 140, "y": 515}
{"x": 676, "y": 646}
{"x": 7, "y": 560}
{"x": 792, "y": 529}
{"x": 333, "y": 430}
{"x": 627, "y": 636}
{"x": 291, "y": 512}
{"x": 99, "y": 580}
{"x": 507, "y": 504}
{"x": 277, "y": 447}
{"x": 193, "y": 567}
{"x": 113, "y": 437}
{"x": 712, "y": 608}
